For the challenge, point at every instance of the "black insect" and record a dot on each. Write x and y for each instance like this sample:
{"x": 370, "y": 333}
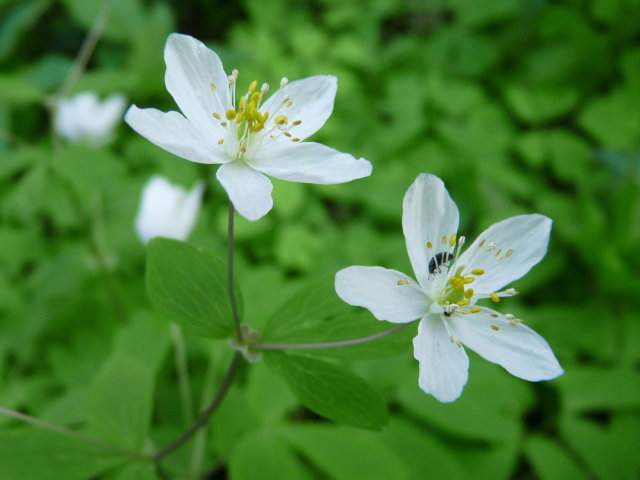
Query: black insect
{"x": 438, "y": 260}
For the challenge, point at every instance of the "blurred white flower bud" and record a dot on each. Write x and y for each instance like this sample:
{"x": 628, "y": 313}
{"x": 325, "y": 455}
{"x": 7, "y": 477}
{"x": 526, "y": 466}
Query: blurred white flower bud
{"x": 167, "y": 210}
{"x": 85, "y": 119}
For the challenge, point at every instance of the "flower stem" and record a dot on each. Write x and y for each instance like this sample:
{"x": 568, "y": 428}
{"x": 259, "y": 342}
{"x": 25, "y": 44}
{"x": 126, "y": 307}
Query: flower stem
{"x": 206, "y": 414}
{"x": 232, "y": 295}
{"x": 70, "y": 433}
{"x": 341, "y": 343}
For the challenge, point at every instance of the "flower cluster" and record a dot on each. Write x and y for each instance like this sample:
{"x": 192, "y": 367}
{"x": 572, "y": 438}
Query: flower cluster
{"x": 252, "y": 135}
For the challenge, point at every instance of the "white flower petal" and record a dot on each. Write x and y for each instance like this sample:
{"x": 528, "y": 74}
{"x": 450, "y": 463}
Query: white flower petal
{"x": 175, "y": 134}
{"x": 309, "y": 163}
{"x": 428, "y": 216}
{"x": 311, "y": 102}
{"x": 192, "y": 68}
{"x": 444, "y": 366}
{"x": 509, "y": 249}
{"x": 517, "y": 348}
{"x": 377, "y": 289}
{"x": 167, "y": 210}
{"x": 248, "y": 189}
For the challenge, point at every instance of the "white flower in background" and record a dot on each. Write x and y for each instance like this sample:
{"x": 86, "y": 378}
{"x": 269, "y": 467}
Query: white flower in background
{"x": 167, "y": 210}
{"x": 84, "y": 118}
{"x": 249, "y": 137}
{"x": 448, "y": 286}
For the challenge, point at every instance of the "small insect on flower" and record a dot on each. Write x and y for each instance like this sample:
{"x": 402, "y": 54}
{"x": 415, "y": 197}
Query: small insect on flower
{"x": 449, "y": 285}
{"x": 441, "y": 259}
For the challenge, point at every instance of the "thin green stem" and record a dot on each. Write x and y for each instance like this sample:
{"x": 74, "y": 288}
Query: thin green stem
{"x": 70, "y": 433}
{"x": 182, "y": 370}
{"x": 230, "y": 283}
{"x": 342, "y": 343}
{"x": 86, "y": 49}
{"x": 206, "y": 414}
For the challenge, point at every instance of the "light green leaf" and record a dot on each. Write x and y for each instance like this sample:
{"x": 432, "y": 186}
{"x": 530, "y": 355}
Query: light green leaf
{"x": 135, "y": 471}
{"x": 262, "y": 454}
{"x": 42, "y": 455}
{"x": 330, "y": 391}
{"x": 314, "y": 302}
{"x": 540, "y": 104}
{"x": 134, "y": 340}
{"x": 16, "y": 91}
{"x": 119, "y": 402}
{"x": 187, "y": 284}
{"x": 346, "y": 454}
{"x": 550, "y": 461}
{"x": 124, "y": 16}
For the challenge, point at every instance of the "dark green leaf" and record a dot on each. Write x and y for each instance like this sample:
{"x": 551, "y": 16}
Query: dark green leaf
{"x": 188, "y": 286}
{"x": 330, "y": 391}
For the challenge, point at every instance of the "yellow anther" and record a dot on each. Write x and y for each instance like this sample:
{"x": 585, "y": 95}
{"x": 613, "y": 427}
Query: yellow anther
{"x": 243, "y": 102}
{"x": 255, "y": 98}
{"x": 498, "y": 252}
{"x": 475, "y": 310}
{"x": 231, "y": 114}
{"x": 252, "y": 86}
{"x": 243, "y": 149}
{"x": 281, "y": 120}
{"x": 295, "y": 139}
{"x": 264, "y": 117}
{"x": 240, "y": 116}
{"x": 495, "y": 297}
{"x": 451, "y": 338}
{"x": 513, "y": 323}
{"x": 429, "y": 245}
{"x": 468, "y": 293}
{"x": 495, "y": 327}
{"x": 256, "y": 128}
{"x": 462, "y": 303}
{"x": 495, "y": 315}
{"x": 481, "y": 244}
{"x": 458, "y": 344}
{"x": 217, "y": 116}
{"x": 468, "y": 280}
{"x": 444, "y": 239}
{"x": 456, "y": 282}
{"x": 477, "y": 271}
{"x": 452, "y": 240}
{"x": 509, "y": 253}
{"x": 403, "y": 282}
{"x": 289, "y": 103}
{"x": 297, "y": 122}
{"x": 287, "y": 134}
{"x": 213, "y": 86}
{"x": 221, "y": 141}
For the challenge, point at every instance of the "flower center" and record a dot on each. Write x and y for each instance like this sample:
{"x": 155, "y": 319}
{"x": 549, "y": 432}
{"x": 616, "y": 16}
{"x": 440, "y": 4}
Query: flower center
{"x": 247, "y": 125}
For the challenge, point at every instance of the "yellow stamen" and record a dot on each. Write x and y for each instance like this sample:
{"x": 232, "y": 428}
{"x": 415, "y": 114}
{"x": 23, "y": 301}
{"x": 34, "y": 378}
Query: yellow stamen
{"x": 495, "y": 297}
{"x": 221, "y": 141}
{"x": 509, "y": 253}
{"x": 217, "y": 116}
{"x": 456, "y": 282}
{"x": 495, "y": 327}
{"x": 252, "y": 86}
{"x": 498, "y": 252}
{"x": 289, "y": 103}
{"x": 481, "y": 244}
{"x": 475, "y": 310}
{"x": 495, "y": 315}
{"x": 243, "y": 149}
{"x": 468, "y": 280}
{"x": 231, "y": 114}
{"x": 469, "y": 293}
{"x": 287, "y": 134}
{"x": 297, "y": 122}
{"x": 255, "y": 98}
{"x": 429, "y": 245}
{"x": 281, "y": 120}
{"x": 295, "y": 139}
{"x": 462, "y": 303}
{"x": 444, "y": 239}
{"x": 403, "y": 282}
{"x": 213, "y": 86}
{"x": 477, "y": 271}
{"x": 452, "y": 240}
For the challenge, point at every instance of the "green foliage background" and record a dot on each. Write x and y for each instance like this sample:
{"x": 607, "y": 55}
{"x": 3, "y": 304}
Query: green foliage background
{"x": 520, "y": 106}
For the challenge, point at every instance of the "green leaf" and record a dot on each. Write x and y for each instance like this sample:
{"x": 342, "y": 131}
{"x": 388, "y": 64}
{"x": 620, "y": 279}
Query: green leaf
{"x": 540, "y": 104}
{"x": 550, "y": 461}
{"x": 330, "y": 391}
{"x": 261, "y": 454}
{"x": 16, "y": 22}
{"x": 42, "y": 455}
{"x": 124, "y": 16}
{"x": 16, "y": 91}
{"x": 187, "y": 284}
{"x": 346, "y": 454}
{"x": 136, "y": 471}
{"x": 314, "y": 302}
{"x": 119, "y": 402}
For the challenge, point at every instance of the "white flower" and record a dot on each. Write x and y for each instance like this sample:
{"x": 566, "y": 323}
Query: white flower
{"x": 167, "y": 210}
{"x": 83, "y": 118}
{"x": 448, "y": 286}
{"x": 248, "y": 137}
